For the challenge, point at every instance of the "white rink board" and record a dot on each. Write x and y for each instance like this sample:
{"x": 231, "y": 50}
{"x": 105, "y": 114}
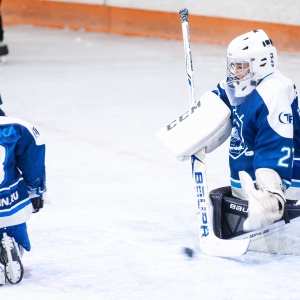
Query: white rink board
{"x": 274, "y": 11}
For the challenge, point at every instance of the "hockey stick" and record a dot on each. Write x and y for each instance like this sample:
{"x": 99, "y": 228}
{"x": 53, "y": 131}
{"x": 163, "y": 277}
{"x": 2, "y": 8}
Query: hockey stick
{"x": 209, "y": 243}
{"x": 184, "y": 14}
{"x": 279, "y": 238}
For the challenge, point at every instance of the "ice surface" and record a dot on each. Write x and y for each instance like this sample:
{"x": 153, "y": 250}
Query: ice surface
{"x": 122, "y": 208}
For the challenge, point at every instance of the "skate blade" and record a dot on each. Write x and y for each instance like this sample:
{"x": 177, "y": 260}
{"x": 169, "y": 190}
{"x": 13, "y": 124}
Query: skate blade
{"x": 14, "y": 272}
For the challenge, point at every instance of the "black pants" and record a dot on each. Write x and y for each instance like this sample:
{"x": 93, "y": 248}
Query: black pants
{"x": 1, "y": 27}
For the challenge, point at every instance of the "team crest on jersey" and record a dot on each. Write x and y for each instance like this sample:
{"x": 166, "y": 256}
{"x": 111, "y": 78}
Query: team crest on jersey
{"x": 237, "y": 144}
{"x": 285, "y": 118}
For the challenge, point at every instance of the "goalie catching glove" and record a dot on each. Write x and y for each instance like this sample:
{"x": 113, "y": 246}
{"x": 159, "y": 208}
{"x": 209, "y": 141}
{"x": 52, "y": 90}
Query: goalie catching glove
{"x": 266, "y": 204}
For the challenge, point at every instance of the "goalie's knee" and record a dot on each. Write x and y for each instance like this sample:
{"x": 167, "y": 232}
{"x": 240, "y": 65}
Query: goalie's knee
{"x": 229, "y": 213}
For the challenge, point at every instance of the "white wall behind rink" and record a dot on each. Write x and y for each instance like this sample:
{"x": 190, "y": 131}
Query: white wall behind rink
{"x": 273, "y": 11}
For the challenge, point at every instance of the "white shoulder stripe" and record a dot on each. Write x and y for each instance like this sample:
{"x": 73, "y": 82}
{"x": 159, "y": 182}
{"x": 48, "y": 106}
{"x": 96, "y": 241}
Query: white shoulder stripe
{"x": 277, "y": 92}
{"x": 32, "y": 130}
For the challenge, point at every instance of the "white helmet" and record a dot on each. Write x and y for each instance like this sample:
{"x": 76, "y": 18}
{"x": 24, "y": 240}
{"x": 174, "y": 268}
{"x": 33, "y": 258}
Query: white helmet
{"x": 250, "y": 58}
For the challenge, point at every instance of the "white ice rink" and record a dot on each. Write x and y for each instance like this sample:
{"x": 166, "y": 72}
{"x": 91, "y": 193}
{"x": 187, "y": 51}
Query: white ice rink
{"x": 122, "y": 207}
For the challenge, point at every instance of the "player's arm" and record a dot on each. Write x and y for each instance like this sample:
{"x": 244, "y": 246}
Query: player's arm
{"x": 30, "y": 154}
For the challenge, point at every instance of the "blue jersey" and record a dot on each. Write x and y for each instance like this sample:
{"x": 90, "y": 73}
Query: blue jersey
{"x": 266, "y": 133}
{"x": 22, "y": 170}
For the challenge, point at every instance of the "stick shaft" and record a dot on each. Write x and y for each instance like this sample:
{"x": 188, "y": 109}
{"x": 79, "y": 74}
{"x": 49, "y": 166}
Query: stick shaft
{"x": 188, "y": 54}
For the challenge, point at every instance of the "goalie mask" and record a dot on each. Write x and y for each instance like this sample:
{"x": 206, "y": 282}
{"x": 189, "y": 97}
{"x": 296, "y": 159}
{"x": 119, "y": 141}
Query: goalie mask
{"x": 250, "y": 58}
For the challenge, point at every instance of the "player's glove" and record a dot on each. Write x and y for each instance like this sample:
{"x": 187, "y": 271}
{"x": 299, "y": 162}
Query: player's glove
{"x": 37, "y": 203}
{"x": 266, "y": 205}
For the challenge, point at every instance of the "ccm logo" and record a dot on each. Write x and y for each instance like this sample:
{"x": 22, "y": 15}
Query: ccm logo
{"x": 184, "y": 116}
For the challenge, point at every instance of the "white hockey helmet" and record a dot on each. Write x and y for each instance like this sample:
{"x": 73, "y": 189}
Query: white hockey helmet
{"x": 250, "y": 58}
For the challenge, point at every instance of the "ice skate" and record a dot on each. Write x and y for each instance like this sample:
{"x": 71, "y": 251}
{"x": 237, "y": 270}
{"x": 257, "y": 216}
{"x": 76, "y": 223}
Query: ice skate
{"x": 10, "y": 255}
{"x": 2, "y": 274}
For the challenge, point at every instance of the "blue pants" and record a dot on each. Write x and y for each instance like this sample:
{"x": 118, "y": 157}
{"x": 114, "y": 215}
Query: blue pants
{"x": 19, "y": 233}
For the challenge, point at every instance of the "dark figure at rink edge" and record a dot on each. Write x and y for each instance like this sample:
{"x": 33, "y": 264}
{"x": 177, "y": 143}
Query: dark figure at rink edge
{"x": 3, "y": 47}
{"x": 22, "y": 184}
{"x": 265, "y": 135}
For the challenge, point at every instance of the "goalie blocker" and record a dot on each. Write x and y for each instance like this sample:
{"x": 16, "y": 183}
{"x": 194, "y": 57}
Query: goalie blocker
{"x": 229, "y": 213}
{"x": 206, "y": 126}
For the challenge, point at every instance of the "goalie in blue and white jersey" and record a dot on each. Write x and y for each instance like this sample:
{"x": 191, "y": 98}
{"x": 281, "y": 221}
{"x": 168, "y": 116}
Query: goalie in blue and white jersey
{"x": 22, "y": 184}
{"x": 257, "y": 106}
{"x": 265, "y": 136}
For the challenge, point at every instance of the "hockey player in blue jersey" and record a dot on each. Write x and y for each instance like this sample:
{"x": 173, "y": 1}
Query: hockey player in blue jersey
{"x": 265, "y": 137}
{"x": 22, "y": 184}
{"x": 257, "y": 107}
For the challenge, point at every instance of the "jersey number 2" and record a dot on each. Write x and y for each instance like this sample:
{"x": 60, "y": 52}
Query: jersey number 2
{"x": 282, "y": 161}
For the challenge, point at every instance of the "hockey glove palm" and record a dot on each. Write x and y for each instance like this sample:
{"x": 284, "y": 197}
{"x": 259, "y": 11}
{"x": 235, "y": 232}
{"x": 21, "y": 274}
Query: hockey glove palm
{"x": 266, "y": 205}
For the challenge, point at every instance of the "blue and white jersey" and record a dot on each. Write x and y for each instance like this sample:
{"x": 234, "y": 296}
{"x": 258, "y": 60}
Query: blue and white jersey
{"x": 22, "y": 170}
{"x": 266, "y": 133}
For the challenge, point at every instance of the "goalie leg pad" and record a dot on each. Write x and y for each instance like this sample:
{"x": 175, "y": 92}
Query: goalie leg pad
{"x": 229, "y": 213}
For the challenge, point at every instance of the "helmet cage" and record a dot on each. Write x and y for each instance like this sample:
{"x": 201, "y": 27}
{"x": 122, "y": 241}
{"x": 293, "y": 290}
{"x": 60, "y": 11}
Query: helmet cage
{"x": 240, "y": 82}
{"x": 238, "y": 70}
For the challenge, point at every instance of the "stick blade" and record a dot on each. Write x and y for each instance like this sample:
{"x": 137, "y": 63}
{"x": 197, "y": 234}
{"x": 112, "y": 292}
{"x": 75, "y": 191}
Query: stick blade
{"x": 283, "y": 239}
{"x": 214, "y": 246}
